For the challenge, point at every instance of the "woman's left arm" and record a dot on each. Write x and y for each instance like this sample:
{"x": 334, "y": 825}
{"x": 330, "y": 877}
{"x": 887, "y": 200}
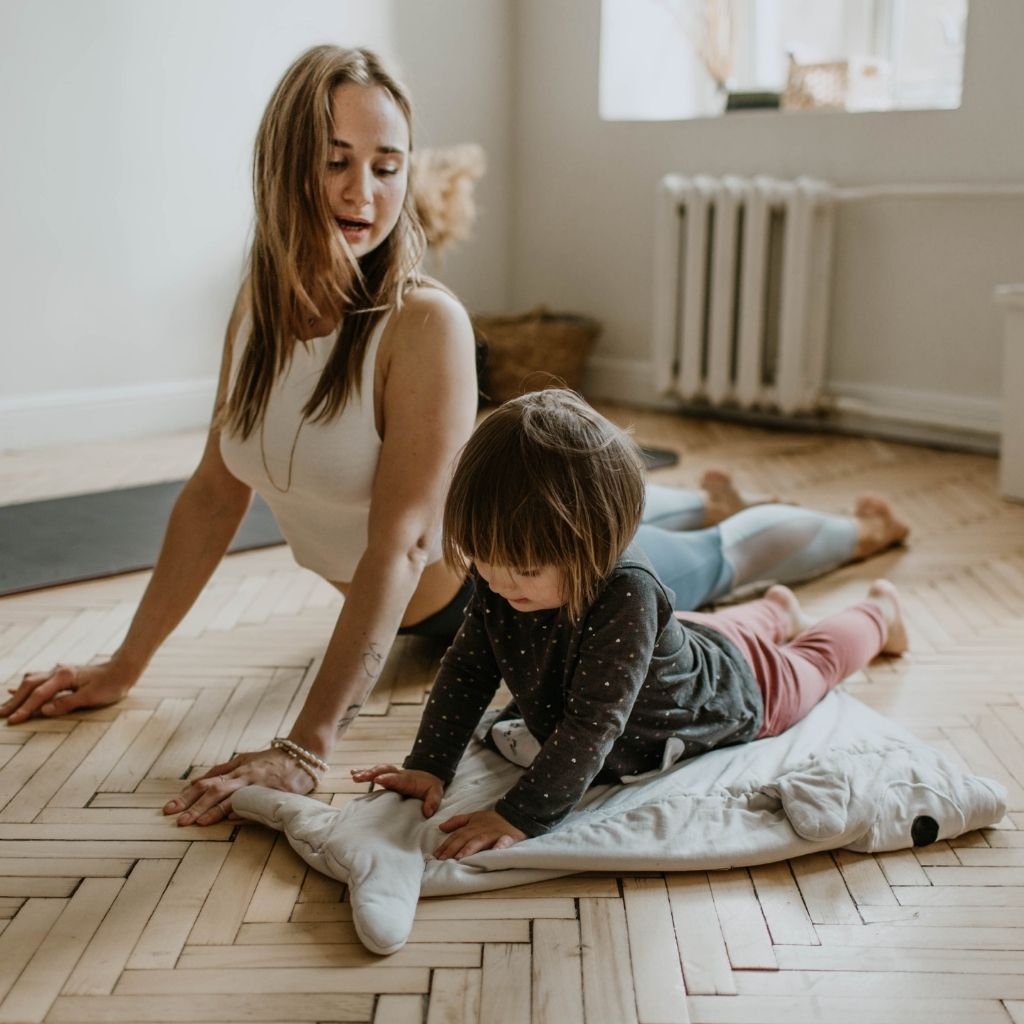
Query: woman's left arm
{"x": 429, "y": 405}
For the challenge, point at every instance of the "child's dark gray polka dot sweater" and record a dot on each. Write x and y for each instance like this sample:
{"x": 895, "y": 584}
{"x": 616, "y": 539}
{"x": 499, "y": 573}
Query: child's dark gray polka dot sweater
{"x": 602, "y": 695}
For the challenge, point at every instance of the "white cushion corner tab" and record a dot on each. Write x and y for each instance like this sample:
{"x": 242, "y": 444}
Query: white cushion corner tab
{"x": 816, "y": 797}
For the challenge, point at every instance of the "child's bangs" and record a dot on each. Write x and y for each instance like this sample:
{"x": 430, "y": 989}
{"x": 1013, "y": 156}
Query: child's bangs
{"x": 520, "y": 535}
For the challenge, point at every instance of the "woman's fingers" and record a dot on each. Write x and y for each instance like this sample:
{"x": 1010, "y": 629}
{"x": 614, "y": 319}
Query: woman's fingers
{"x": 185, "y": 800}
{"x": 65, "y": 689}
{"x": 206, "y": 801}
{"x": 220, "y": 769}
{"x": 31, "y": 696}
{"x": 67, "y": 701}
{"x": 215, "y": 814}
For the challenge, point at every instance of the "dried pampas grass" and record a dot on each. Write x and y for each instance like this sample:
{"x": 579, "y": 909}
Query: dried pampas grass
{"x": 442, "y": 183}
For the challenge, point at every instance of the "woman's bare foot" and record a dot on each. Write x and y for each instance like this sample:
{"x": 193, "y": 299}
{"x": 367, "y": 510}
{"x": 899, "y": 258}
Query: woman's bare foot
{"x": 886, "y": 596}
{"x": 796, "y": 619}
{"x": 878, "y": 527}
{"x": 721, "y": 498}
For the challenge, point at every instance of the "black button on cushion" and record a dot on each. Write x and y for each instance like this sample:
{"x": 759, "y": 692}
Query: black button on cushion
{"x": 924, "y": 831}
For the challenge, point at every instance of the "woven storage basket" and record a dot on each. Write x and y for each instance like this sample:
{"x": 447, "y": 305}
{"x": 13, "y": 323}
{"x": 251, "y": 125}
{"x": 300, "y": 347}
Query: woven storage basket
{"x": 534, "y": 350}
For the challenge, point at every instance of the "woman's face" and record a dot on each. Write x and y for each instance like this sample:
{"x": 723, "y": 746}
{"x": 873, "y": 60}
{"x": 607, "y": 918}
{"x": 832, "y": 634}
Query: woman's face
{"x": 368, "y": 167}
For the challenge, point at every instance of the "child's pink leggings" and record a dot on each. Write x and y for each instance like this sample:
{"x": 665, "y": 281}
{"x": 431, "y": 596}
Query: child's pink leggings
{"x": 795, "y": 675}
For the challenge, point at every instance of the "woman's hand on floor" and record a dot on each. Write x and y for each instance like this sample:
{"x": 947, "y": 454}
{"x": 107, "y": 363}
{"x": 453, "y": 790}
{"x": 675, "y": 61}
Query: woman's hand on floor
{"x": 65, "y": 688}
{"x": 407, "y": 781}
{"x": 471, "y": 833}
{"x": 208, "y": 799}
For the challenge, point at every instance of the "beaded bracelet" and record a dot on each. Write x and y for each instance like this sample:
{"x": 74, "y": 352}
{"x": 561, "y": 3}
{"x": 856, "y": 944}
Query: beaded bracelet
{"x": 291, "y": 747}
{"x": 292, "y": 750}
{"x": 304, "y": 765}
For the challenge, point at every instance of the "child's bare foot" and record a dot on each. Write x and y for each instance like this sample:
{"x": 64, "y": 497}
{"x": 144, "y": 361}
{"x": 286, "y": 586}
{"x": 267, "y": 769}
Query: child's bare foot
{"x": 721, "y": 498}
{"x": 796, "y": 619}
{"x": 886, "y": 596}
{"x": 878, "y": 527}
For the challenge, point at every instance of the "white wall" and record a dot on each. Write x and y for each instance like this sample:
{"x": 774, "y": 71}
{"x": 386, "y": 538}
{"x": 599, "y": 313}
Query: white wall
{"x": 125, "y": 201}
{"x": 458, "y": 58}
{"x": 913, "y": 322}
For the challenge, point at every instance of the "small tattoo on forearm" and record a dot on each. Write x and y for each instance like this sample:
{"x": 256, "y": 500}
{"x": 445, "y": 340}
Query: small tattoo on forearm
{"x": 372, "y": 661}
{"x": 351, "y": 713}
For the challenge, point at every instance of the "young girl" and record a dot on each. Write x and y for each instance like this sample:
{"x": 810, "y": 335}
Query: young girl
{"x": 608, "y": 680}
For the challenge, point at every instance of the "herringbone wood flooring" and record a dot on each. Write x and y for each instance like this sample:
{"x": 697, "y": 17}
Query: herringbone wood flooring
{"x": 111, "y": 913}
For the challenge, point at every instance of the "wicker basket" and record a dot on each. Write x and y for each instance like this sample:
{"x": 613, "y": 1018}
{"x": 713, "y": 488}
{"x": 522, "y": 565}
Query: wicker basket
{"x": 534, "y": 350}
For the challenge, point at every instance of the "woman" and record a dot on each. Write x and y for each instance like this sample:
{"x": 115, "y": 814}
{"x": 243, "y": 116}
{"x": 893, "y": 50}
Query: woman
{"x": 346, "y": 389}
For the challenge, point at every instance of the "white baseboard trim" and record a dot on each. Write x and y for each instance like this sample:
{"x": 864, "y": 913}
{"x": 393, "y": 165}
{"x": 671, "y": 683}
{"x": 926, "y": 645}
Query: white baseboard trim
{"x": 907, "y": 412}
{"x": 900, "y": 414}
{"x": 104, "y": 414}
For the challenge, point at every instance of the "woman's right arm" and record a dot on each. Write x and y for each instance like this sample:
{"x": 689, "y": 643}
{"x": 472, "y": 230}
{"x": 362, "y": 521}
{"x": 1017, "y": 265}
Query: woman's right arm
{"x": 202, "y": 524}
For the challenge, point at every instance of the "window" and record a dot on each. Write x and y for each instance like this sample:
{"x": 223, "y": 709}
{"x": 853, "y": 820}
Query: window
{"x": 676, "y": 59}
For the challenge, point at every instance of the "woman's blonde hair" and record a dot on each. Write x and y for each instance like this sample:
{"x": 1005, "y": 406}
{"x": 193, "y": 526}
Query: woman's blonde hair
{"x": 300, "y": 268}
{"x": 546, "y": 480}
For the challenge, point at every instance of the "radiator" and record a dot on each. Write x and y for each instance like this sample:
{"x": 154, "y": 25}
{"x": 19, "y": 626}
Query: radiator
{"x": 742, "y": 273}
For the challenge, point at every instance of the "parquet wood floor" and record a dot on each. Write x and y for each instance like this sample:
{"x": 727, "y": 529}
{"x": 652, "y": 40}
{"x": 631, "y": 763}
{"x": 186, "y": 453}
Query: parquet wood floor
{"x": 112, "y": 914}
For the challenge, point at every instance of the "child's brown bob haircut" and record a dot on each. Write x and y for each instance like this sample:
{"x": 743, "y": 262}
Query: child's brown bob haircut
{"x": 546, "y": 480}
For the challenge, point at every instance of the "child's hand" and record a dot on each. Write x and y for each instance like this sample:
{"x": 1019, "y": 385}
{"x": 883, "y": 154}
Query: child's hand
{"x": 471, "y": 833}
{"x": 407, "y": 781}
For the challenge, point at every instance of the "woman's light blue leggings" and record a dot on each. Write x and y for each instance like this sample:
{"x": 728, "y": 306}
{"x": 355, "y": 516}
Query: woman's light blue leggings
{"x": 777, "y": 543}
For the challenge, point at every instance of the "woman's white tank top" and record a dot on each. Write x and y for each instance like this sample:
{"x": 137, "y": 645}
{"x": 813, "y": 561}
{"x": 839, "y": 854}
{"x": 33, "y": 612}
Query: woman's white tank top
{"x": 316, "y": 477}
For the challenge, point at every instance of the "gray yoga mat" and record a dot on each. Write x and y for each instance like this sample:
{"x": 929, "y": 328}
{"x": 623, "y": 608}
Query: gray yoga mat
{"x": 89, "y": 536}
{"x": 658, "y": 458}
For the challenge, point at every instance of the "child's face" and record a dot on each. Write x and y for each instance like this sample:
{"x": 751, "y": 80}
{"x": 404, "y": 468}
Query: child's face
{"x": 529, "y": 590}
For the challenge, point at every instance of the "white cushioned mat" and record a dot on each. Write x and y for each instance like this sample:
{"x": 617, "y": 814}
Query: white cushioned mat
{"x": 843, "y": 777}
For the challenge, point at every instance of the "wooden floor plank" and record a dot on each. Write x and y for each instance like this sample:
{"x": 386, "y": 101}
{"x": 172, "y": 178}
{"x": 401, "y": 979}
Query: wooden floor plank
{"x": 279, "y": 883}
{"x": 269, "y": 1007}
{"x": 701, "y": 945}
{"x": 454, "y": 997}
{"x": 557, "y": 973}
{"x": 843, "y": 1010}
{"x": 824, "y": 890}
{"x": 783, "y": 906}
{"x": 350, "y": 953}
{"x": 505, "y": 983}
{"x": 657, "y": 975}
{"x": 392, "y": 1009}
{"x": 608, "y": 995}
{"x": 743, "y": 924}
{"x": 274, "y": 980}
